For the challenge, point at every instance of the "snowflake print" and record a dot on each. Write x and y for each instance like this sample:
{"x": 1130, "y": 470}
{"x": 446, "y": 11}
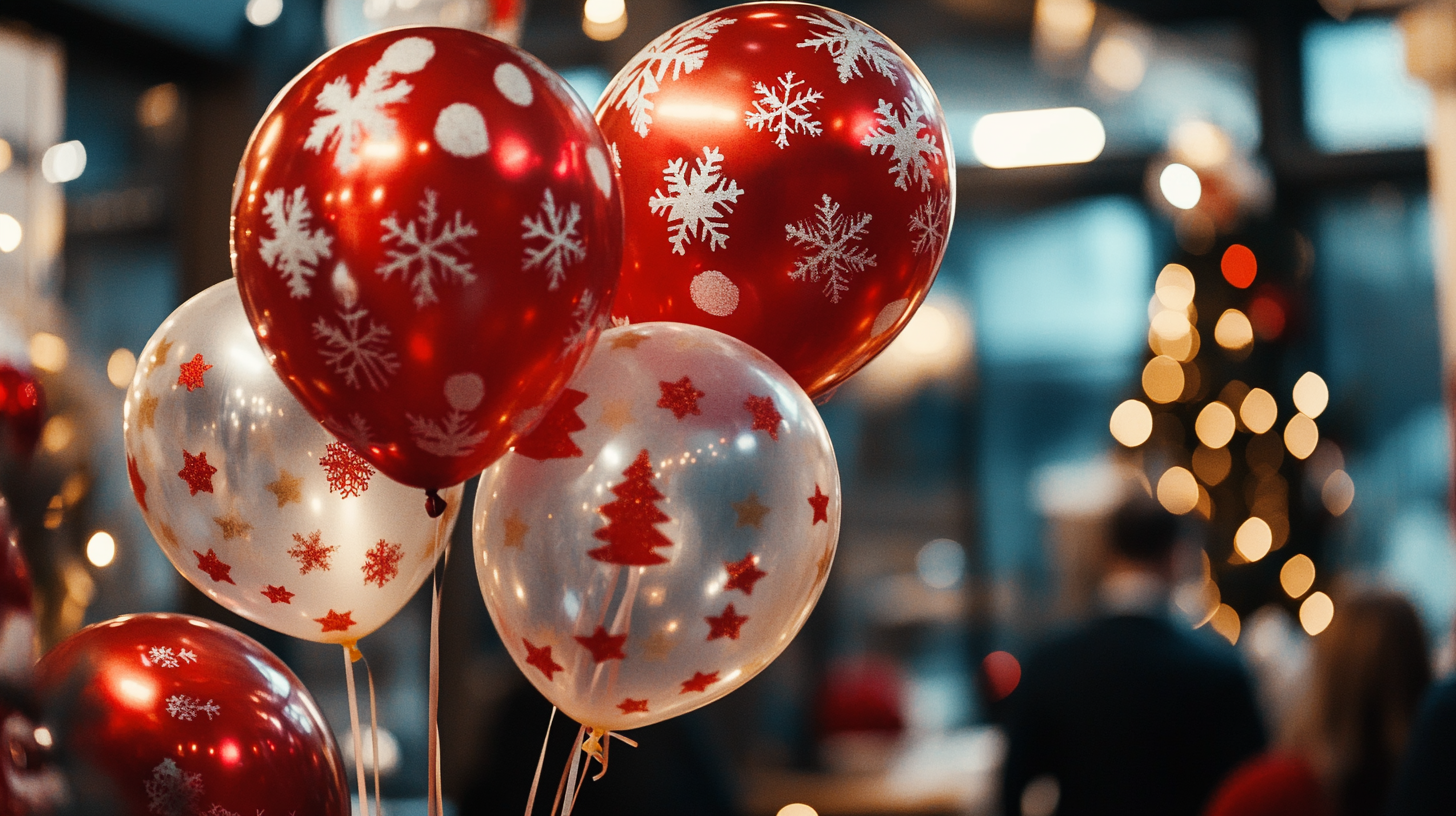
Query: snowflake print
{"x": 358, "y": 432}
{"x": 564, "y": 245}
{"x": 294, "y": 250}
{"x": 581, "y": 319}
{"x": 425, "y": 253}
{"x": 187, "y": 656}
{"x": 310, "y": 553}
{"x": 219, "y": 810}
{"x": 902, "y": 140}
{"x": 381, "y": 563}
{"x": 681, "y": 50}
{"x": 782, "y": 111}
{"x": 829, "y": 238}
{"x": 927, "y": 223}
{"x": 693, "y": 200}
{"x": 162, "y": 656}
{"x": 172, "y": 791}
{"x": 450, "y": 438}
{"x": 849, "y": 42}
{"x": 350, "y": 115}
{"x": 185, "y": 708}
{"x": 348, "y": 472}
{"x": 616, "y": 156}
{"x": 354, "y": 351}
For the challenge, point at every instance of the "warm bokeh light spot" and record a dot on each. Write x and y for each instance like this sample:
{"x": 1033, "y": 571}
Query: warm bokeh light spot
{"x": 1225, "y": 621}
{"x": 1212, "y": 465}
{"x": 1258, "y": 411}
{"x": 1175, "y": 287}
{"x": 1239, "y": 266}
{"x": 48, "y": 352}
{"x": 1132, "y": 423}
{"x": 1002, "y": 672}
{"x": 1215, "y": 425}
{"x": 57, "y": 434}
{"x": 1338, "y": 492}
{"x": 120, "y": 367}
{"x": 1301, "y": 436}
{"x": 1171, "y": 325}
{"x": 797, "y": 809}
{"x": 101, "y": 549}
{"x": 1253, "y": 539}
{"x": 1266, "y": 314}
{"x": 1316, "y": 613}
{"x": 1180, "y": 186}
{"x": 1297, "y": 575}
{"x": 1178, "y": 491}
{"x": 1163, "y": 379}
{"x": 1311, "y": 395}
{"x": 1233, "y": 330}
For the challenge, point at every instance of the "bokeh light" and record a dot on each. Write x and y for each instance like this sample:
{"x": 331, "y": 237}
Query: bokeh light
{"x": 1171, "y": 325}
{"x": 1253, "y": 539}
{"x": 1002, "y": 672}
{"x": 263, "y": 12}
{"x": 1212, "y": 465}
{"x": 1258, "y": 411}
{"x": 1301, "y": 436}
{"x": 1233, "y": 330}
{"x": 1338, "y": 493}
{"x": 1199, "y": 143}
{"x": 1239, "y": 266}
{"x": 120, "y": 367}
{"x": 1175, "y": 287}
{"x": 1316, "y": 613}
{"x": 63, "y": 162}
{"x": 797, "y": 809}
{"x": 101, "y": 549}
{"x": 1297, "y": 575}
{"x": 1225, "y": 621}
{"x": 10, "y": 233}
{"x": 1178, "y": 491}
{"x": 1118, "y": 61}
{"x": 1035, "y": 138}
{"x": 1132, "y": 423}
{"x": 1180, "y": 186}
{"x": 1163, "y": 379}
{"x": 1311, "y": 395}
{"x": 1215, "y": 425}
{"x": 941, "y": 563}
{"x": 57, "y": 434}
{"x": 48, "y": 352}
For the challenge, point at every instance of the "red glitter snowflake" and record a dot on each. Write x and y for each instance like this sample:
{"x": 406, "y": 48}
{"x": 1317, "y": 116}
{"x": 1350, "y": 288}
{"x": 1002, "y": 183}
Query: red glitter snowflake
{"x": 820, "y": 503}
{"x": 348, "y": 472}
{"x": 310, "y": 553}
{"x": 335, "y": 622}
{"x": 191, "y": 372}
{"x": 214, "y": 567}
{"x": 381, "y": 563}
{"x": 726, "y": 625}
{"x": 552, "y": 438}
{"x": 743, "y": 574}
{"x": 680, "y": 397}
{"x": 766, "y": 416}
{"x": 138, "y": 487}
{"x": 604, "y": 646}
{"x": 631, "y": 706}
{"x": 699, "y": 682}
{"x": 541, "y": 659}
{"x": 196, "y": 472}
{"x": 278, "y": 594}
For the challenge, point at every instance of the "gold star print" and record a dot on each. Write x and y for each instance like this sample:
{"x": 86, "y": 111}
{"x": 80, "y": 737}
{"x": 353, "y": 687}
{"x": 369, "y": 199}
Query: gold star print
{"x": 516, "y": 530}
{"x": 287, "y": 488}
{"x": 234, "y": 526}
{"x": 628, "y": 340}
{"x": 159, "y": 355}
{"x": 617, "y": 414}
{"x": 825, "y": 560}
{"x": 658, "y": 647}
{"x": 166, "y": 536}
{"x": 147, "y": 412}
{"x": 750, "y": 511}
{"x": 688, "y": 342}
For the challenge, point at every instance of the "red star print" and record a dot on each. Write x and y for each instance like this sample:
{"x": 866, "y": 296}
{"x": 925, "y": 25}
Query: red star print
{"x": 541, "y": 659}
{"x": 631, "y": 706}
{"x": 699, "y": 682}
{"x": 278, "y": 594}
{"x": 680, "y": 397}
{"x": 765, "y": 416}
{"x": 138, "y": 487}
{"x": 820, "y": 503}
{"x": 215, "y": 569}
{"x": 726, "y": 624}
{"x": 191, "y": 373}
{"x": 604, "y": 646}
{"x": 196, "y": 472}
{"x": 335, "y": 622}
{"x": 743, "y": 574}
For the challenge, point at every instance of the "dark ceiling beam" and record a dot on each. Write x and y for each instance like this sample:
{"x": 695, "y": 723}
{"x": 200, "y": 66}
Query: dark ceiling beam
{"x": 93, "y": 35}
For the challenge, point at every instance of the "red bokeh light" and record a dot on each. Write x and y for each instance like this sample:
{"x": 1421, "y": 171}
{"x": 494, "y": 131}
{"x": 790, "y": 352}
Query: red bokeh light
{"x": 1239, "y": 266}
{"x": 1268, "y": 315}
{"x": 1002, "y": 672}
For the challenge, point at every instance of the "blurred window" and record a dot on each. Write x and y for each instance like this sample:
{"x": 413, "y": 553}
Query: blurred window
{"x": 1357, "y": 95}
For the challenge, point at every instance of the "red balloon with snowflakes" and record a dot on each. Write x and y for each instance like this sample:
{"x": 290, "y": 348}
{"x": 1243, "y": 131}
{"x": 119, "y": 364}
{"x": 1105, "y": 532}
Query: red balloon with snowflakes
{"x": 168, "y": 714}
{"x": 256, "y": 503}
{"x": 427, "y": 236}
{"x": 787, "y": 179}
{"x": 665, "y": 531}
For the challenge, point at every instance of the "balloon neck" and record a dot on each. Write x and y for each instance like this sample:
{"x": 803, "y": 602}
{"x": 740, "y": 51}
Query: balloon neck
{"x": 434, "y": 505}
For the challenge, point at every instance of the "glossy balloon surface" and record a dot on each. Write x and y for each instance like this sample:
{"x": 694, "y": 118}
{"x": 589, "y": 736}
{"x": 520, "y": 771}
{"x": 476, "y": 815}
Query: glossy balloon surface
{"x": 256, "y": 503}
{"x": 179, "y": 716}
{"x": 427, "y": 236}
{"x": 22, "y": 410}
{"x": 787, "y": 179}
{"x": 664, "y": 533}
{"x": 17, "y": 617}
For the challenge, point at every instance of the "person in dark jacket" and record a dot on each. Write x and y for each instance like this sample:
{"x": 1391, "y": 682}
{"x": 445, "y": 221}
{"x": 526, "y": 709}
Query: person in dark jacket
{"x": 1133, "y": 712}
{"x": 1425, "y": 785}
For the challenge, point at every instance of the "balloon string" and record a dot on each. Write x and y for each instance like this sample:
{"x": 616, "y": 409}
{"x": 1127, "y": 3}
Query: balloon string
{"x": 573, "y": 787}
{"x": 374, "y": 735}
{"x": 567, "y": 773}
{"x": 433, "y": 728}
{"x": 349, "y": 651}
{"x": 540, "y": 761}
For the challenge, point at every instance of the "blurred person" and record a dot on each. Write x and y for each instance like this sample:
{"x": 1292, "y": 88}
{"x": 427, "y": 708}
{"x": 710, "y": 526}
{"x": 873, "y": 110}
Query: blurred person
{"x": 1340, "y": 753}
{"x": 1133, "y": 712}
{"x": 1424, "y": 784}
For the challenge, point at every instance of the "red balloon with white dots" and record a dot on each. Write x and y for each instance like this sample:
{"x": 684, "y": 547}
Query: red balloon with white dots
{"x": 169, "y": 714}
{"x": 427, "y": 237}
{"x": 787, "y": 179}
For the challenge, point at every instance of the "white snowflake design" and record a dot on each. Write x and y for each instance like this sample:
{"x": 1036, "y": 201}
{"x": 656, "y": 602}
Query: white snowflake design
{"x": 782, "y": 111}
{"x": 681, "y": 50}
{"x": 172, "y": 791}
{"x": 829, "y": 238}
{"x": 294, "y": 250}
{"x": 162, "y": 656}
{"x": 564, "y": 245}
{"x": 187, "y": 656}
{"x": 359, "y": 432}
{"x": 693, "y": 199}
{"x": 927, "y": 223}
{"x": 450, "y": 438}
{"x": 616, "y": 155}
{"x": 848, "y": 42}
{"x": 582, "y": 324}
{"x": 219, "y": 810}
{"x": 353, "y": 350}
{"x": 350, "y": 115}
{"x": 425, "y": 253}
{"x": 902, "y": 140}
{"x": 185, "y": 708}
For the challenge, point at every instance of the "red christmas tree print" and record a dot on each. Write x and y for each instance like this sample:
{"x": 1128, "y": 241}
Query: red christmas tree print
{"x": 552, "y": 438}
{"x": 196, "y": 472}
{"x": 138, "y": 487}
{"x": 631, "y": 706}
{"x": 278, "y": 594}
{"x": 335, "y": 622}
{"x": 191, "y": 373}
{"x": 604, "y": 646}
{"x": 699, "y": 682}
{"x": 765, "y": 416}
{"x": 311, "y": 554}
{"x": 214, "y": 567}
{"x": 820, "y": 503}
{"x": 743, "y": 574}
{"x": 632, "y": 538}
{"x": 725, "y": 625}
{"x": 680, "y": 397}
{"x": 348, "y": 472}
{"x": 541, "y": 659}
{"x": 381, "y": 563}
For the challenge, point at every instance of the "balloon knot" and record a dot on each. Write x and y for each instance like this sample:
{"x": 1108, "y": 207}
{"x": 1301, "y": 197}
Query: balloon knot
{"x": 434, "y": 505}
{"x": 354, "y": 654}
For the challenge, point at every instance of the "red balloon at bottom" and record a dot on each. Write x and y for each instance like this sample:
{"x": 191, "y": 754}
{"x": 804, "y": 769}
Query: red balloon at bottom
{"x": 168, "y": 715}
